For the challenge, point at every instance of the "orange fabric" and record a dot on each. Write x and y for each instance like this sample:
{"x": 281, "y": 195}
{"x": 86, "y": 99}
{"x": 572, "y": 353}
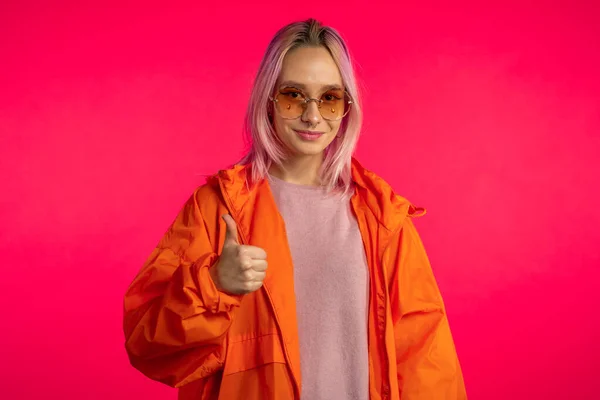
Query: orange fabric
{"x": 180, "y": 330}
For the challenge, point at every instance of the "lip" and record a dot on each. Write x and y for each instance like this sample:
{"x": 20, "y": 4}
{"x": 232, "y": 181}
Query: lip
{"x": 309, "y": 135}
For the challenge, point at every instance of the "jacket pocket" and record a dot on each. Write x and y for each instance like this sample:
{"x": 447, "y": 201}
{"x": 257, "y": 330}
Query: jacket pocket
{"x": 246, "y": 354}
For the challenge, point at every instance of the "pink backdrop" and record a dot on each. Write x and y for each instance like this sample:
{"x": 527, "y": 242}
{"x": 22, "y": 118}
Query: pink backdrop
{"x": 487, "y": 115}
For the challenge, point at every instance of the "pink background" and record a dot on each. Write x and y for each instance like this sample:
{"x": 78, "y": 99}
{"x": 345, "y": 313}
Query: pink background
{"x": 487, "y": 115}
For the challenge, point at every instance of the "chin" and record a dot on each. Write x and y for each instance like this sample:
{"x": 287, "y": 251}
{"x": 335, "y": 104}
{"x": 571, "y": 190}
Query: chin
{"x": 300, "y": 151}
{"x": 309, "y": 149}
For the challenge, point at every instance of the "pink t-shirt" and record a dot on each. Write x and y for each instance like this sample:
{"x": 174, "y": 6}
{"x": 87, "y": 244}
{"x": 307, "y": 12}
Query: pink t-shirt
{"x": 331, "y": 282}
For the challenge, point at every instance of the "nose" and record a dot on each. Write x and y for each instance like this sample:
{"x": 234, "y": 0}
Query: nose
{"x": 311, "y": 113}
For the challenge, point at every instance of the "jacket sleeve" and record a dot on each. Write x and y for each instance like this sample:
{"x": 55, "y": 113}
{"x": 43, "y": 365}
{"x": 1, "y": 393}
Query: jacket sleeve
{"x": 175, "y": 319}
{"x": 427, "y": 362}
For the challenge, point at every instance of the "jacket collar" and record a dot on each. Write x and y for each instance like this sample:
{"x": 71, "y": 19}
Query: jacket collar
{"x": 388, "y": 208}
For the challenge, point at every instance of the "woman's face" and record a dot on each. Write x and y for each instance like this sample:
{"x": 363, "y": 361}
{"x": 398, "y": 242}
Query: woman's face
{"x": 312, "y": 73}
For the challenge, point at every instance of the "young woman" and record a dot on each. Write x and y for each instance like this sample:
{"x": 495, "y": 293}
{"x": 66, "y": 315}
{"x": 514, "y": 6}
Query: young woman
{"x": 297, "y": 273}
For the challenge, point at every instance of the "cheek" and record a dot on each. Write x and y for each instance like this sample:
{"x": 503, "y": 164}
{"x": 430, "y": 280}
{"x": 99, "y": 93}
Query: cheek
{"x": 335, "y": 126}
{"x": 281, "y": 126}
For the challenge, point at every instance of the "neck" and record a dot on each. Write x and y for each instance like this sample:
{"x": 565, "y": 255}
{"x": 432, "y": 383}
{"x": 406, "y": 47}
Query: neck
{"x": 299, "y": 170}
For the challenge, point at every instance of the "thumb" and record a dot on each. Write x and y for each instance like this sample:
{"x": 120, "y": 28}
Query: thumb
{"x": 231, "y": 235}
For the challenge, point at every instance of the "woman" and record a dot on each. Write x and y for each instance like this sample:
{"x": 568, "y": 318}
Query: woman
{"x": 297, "y": 273}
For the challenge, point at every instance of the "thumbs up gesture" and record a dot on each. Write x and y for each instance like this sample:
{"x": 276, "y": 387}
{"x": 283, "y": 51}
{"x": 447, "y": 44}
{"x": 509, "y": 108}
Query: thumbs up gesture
{"x": 241, "y": 269}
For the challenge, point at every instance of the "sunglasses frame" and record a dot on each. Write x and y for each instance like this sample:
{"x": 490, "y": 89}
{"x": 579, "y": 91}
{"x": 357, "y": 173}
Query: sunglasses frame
{"x": 308, "y": 100}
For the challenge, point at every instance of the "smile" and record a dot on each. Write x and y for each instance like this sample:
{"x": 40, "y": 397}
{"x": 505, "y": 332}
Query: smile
{"x": 309, "y": 135}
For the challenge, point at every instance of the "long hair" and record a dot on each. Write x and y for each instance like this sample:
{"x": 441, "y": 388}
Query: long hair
{"x": 265, "y": 147}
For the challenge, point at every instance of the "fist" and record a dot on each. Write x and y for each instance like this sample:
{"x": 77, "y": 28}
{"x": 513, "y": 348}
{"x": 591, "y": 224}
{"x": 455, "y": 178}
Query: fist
{"x": 241, "y": 269}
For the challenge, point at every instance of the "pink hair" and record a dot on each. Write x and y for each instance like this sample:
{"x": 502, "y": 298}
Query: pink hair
{"x": 265, "y": 147}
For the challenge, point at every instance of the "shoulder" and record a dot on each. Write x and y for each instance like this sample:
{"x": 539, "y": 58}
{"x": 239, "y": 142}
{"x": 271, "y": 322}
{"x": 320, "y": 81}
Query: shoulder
{"x": 230, "y": 184}
{"x": 391, "y": 209}
{"x": 207, "y": 192}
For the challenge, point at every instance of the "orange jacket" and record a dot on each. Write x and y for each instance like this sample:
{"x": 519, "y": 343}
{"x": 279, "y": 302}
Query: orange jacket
{"x": 180, "y": 330}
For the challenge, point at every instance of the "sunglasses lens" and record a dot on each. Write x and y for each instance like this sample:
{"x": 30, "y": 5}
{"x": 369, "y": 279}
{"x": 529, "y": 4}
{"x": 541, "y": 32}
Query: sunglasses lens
{"x": 334, "y": 105}
{"x": 290, "y": 103}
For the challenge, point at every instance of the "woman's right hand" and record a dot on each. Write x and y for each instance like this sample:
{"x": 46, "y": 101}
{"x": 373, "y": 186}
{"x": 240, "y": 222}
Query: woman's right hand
{"x": 241, "y": 269}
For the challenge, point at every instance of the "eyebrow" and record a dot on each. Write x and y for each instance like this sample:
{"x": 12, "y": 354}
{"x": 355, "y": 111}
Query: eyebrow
{"x": 299, "y": 85}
